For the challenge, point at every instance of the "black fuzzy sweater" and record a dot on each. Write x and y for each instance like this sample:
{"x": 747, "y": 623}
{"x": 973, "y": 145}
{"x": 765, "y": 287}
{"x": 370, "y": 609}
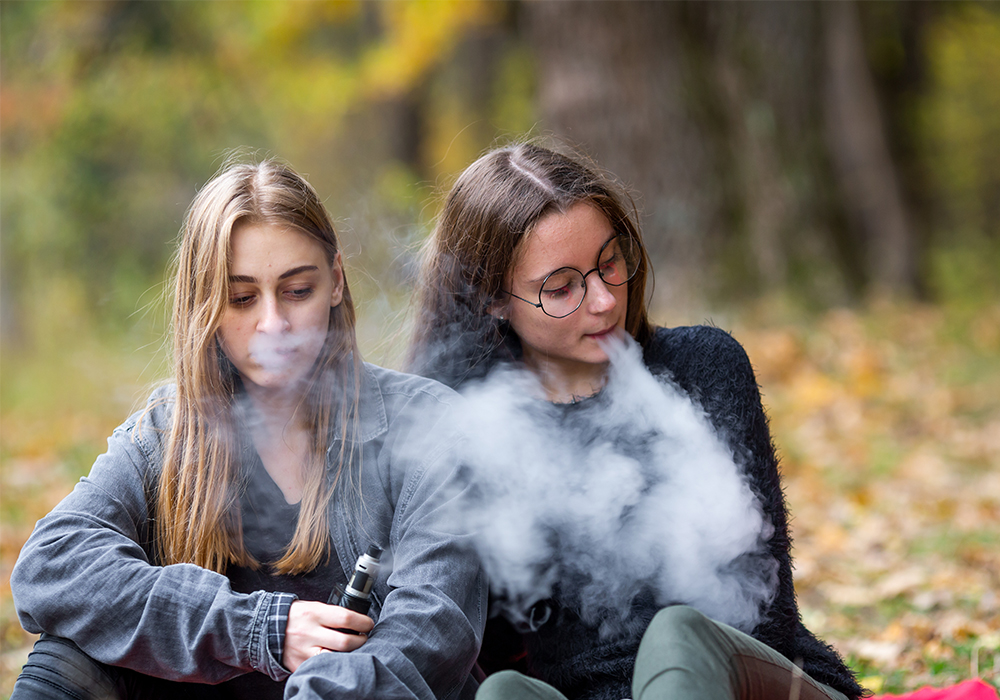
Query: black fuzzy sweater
{"x": 711, "y": 367}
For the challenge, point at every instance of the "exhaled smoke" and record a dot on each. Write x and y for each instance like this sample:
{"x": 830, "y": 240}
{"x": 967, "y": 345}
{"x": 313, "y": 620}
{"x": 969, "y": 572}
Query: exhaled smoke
{"x": 279, "y": 352}
{"x": 629, "y": 493}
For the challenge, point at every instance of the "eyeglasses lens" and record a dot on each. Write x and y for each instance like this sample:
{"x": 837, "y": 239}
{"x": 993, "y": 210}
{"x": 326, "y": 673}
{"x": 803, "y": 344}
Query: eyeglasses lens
{"x": 563, "y": 290}
{"x": 619, "y": 261}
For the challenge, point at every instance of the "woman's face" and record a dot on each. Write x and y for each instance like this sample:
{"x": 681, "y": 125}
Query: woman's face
{"x": 567, "y": 347}
{"x": 281, "y": 289}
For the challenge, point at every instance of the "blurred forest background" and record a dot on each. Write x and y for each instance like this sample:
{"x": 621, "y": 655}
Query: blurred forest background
{"x": 823, "y": 179}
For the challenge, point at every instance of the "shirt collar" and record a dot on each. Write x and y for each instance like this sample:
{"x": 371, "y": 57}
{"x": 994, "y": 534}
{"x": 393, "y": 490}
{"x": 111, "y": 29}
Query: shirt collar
{"x": 372, "y": 420}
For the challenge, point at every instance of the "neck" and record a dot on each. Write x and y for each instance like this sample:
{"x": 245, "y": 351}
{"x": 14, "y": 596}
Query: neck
{"x": 283, "y": 441}
{"x": 276, "y": 411}
{"x": 564, "y": 384}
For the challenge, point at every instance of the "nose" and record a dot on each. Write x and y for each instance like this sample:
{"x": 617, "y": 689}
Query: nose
{"x": 273, "y": 319}
{"x": 599, "y": 298}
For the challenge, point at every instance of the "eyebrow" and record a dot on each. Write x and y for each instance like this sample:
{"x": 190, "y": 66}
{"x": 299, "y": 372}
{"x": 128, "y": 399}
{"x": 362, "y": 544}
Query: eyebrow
{"x": 248, "y": 279}
{"x": 542, "y": 278}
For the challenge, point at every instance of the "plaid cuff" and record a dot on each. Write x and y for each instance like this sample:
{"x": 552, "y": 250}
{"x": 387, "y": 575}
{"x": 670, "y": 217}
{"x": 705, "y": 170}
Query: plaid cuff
{"x": 277, "y": 620}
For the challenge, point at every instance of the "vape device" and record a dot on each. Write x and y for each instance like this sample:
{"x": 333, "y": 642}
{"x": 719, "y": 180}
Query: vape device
{"x": 357, "y": 595}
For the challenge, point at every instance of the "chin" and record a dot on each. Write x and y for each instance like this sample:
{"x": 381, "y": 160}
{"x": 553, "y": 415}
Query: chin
{"x": 594, "y": 354}
{"x": 273, "y": 381}
{"x": 598, "y": 357}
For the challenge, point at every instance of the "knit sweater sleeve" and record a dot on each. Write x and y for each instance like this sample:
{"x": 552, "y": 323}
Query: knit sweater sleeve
{"x": 712, "y": 367}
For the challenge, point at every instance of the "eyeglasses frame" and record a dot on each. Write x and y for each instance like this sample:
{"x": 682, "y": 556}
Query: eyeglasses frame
{"x": 585, "y": 275}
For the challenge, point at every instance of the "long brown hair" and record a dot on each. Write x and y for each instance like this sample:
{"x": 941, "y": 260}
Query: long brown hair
{"x": 197, "y": 501}
{"x": 493, "y": 205}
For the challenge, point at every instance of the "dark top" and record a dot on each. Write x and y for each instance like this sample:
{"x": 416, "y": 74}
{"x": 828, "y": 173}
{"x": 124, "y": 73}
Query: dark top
{"x": 269, "y": 523}
{"x": 569, "y": 653}
{"x": 708, "y": 365}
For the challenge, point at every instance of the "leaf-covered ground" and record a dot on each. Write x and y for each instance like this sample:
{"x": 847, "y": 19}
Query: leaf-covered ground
{"x": 888, "y": 425}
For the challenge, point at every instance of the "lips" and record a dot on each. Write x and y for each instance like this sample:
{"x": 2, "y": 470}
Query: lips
{"x": 274, "y": 358}
{"x": 603, "y": 334}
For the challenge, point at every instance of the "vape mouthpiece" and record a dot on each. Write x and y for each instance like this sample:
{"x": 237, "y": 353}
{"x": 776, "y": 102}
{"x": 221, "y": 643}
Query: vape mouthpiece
{"x": 357, "y": 595}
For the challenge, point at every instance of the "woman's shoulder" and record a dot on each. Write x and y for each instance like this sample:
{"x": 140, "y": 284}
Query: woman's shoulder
{"x": 710, "y": 366}
{"x": 158, "y": 409}
{"x": 392, "y": 382}
{"x": 408, "y": 419}
{"x": 389, "y": 396}
{"x": 149, "y": 423}
{"x": 697, "y": 351}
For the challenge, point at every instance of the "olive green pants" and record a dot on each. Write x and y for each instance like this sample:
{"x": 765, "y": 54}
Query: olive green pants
{"x": 685, "y": 655}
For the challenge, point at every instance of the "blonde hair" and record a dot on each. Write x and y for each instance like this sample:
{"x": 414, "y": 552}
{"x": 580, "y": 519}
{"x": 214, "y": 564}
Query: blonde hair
{"x": 197, "y": 502}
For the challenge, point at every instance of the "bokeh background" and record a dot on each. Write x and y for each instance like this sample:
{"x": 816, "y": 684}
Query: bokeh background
{"x": 822, "y": 179}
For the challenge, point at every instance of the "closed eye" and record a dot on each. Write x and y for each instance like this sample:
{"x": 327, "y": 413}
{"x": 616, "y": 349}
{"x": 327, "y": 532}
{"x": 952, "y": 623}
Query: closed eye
{"x": 557, "y": 293}
{"x": 299, "y": 294}
{"x": 241, "y": 300}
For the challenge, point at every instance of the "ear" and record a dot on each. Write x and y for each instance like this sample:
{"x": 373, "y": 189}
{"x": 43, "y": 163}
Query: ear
{"x": 499, "y": 310}
{"x": 337, "y": 270}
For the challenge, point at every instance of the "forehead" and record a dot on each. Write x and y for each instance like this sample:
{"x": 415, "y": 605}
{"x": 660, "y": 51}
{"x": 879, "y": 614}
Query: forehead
{"x": 256, "y": 248}
{"x": 563, "y": 239}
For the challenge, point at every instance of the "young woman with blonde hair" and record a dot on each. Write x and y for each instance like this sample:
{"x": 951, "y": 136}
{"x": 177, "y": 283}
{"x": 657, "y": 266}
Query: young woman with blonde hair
{"x": 200, "y": 554}
{"x": 536, "y": 263}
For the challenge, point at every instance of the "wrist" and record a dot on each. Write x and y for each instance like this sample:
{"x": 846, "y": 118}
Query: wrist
{"x": 277, "y": 621}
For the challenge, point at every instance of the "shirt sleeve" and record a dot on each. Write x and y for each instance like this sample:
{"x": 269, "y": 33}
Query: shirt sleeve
{"x": 86, "y": 574}
{"x": 277, "y": 621}
{"x": 714, "y": 368}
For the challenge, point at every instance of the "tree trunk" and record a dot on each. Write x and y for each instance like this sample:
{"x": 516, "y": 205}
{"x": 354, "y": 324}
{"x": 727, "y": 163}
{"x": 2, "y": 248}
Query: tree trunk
{"x": 860, "y": 154}
{"x": 715, "y": 113}
{"x": 611, "y": 80}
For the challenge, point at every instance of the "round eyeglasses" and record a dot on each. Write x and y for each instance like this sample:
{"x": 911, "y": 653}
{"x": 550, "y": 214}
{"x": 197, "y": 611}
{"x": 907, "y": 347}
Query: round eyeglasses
{"x": 563, "y": 290}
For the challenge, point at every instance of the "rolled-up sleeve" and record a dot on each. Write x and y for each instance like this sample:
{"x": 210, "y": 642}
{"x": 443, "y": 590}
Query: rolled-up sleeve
{"x": 86, "y": 574}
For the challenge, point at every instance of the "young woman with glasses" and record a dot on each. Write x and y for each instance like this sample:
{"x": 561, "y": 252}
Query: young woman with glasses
{"x": 201, "y": 556}
{"x": 536, "y": 259}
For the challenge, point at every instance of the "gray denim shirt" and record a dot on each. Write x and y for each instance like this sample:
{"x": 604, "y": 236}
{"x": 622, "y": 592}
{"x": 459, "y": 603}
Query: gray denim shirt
{"x": 88, "y": 572}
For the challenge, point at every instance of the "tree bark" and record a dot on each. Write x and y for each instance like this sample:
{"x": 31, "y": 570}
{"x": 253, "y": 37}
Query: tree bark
{"x": 611, "y": 80}
{"x": 751, "y": 131}
{"x": 859, "y": 150}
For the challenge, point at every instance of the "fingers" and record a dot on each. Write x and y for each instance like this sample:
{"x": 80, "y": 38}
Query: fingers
{"x": 313, "y": 628}
{"x": 305, "y": 613}
{"x": 343, "y": 619}
{"x": 346, "y": 641}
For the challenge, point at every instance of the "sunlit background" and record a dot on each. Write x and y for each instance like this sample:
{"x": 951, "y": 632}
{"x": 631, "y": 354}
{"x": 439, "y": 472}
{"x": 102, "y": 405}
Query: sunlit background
{"x": 821, "y": 179}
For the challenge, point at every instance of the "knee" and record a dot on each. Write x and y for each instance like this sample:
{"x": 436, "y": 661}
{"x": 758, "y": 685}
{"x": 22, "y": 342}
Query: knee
{"x": 679, "y": 619}
{"x": 680, "y": 635}
{"x": 501, "y": 684}
{"x": 682, "y": 655}
{"x": 507, "y": 685}
{"x": 58, "y": 668}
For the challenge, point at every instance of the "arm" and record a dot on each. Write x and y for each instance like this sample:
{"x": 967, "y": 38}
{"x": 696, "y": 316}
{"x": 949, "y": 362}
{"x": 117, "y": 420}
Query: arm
{"x": 85, "y": 574}
{"x": 431, "y": 619}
